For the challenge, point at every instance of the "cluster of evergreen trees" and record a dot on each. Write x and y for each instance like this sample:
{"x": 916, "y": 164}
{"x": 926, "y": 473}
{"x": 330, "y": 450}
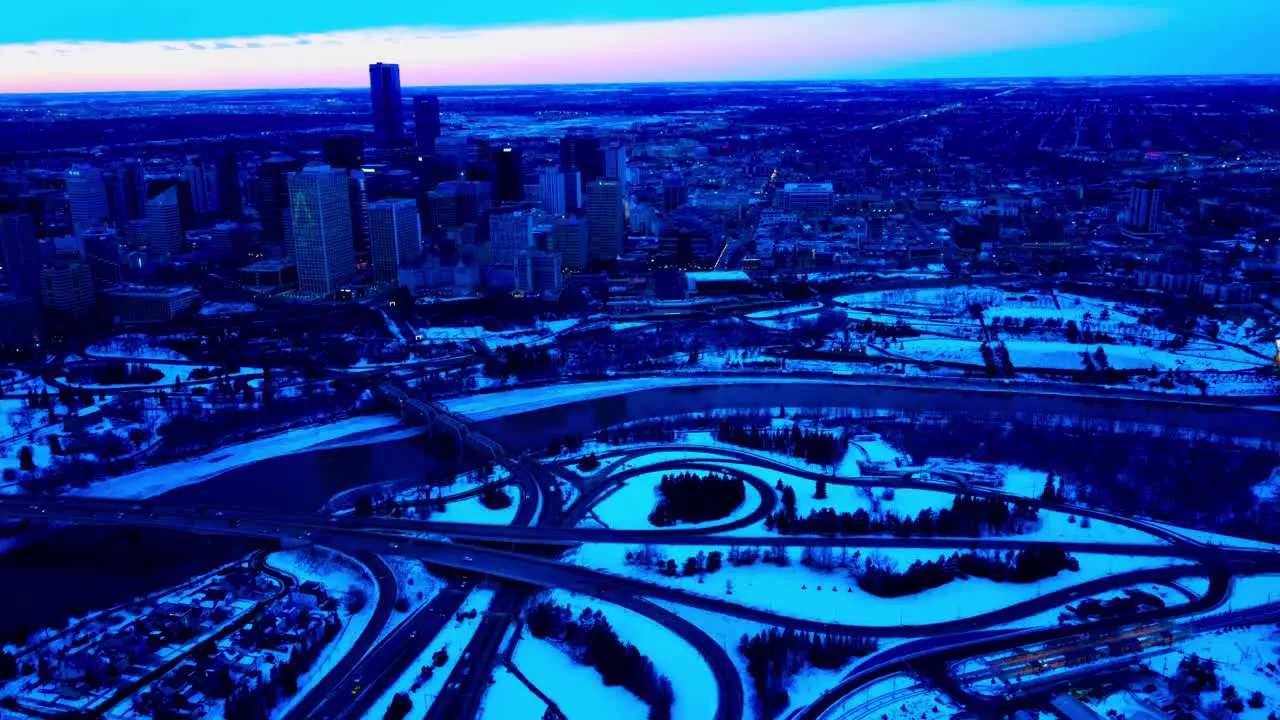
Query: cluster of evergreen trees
{"x": 997, "y": 361}
{"x": 1097, "y": 368}
{"x": 692, "y": 498}
{"x": 774, "y": 655}
{"x": 969, "y": 516}
{"x": 700, "y": 564}
{"x": 591, "y": 641}
{"x": 885, "y": 330}
{"x": 1023, "y": 566}
{"x": 813, "y": 446}
{"x": 523, "y": 362}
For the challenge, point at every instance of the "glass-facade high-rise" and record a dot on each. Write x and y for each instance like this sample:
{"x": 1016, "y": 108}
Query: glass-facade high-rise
{"x": 320, "y": 221}
{"x": 388, "y": 106}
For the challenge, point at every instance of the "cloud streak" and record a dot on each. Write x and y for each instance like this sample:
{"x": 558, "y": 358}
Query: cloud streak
{"x": 833, "y": 43}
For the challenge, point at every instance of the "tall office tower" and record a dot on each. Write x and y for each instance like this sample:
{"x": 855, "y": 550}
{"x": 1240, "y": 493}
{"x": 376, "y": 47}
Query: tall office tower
{"x": 344, "y": 151}
{"x": 615, "y": 165}
{"x": 551, "y": 190}
{"x": 582, "y": 153}
{"x": 538, "y": 271}
{"x": 359, "y": 194}
{"x": 227, "y": 170}
{"x": 1144, "y": 208}
{"x": 126, "y": 192}
{"x": 674, "y": 192}
{"x": 20, "y": 251}
{"x": 394, "y": 237}
{"x": 162, "y": 231}
{"x": 88, "y": 197}
{"x": 273, "y": 199}
{"x": 508, "y": 183}
{"x": 201, "y": 178}
{"x": 510, "y": 233}
{"x": 426, "y": 123}
{"x": 606, "y": 219}
{"x": 320, "y": 208}
{"x": 388, "y": 107}
{"x": 459, "y": 201}
{"x": 569, "y": 238}
{"x": 67, "y": 287}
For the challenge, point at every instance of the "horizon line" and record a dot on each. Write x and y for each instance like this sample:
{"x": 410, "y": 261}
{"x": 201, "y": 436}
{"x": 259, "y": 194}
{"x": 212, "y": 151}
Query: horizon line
{"x": 775, "y": 81}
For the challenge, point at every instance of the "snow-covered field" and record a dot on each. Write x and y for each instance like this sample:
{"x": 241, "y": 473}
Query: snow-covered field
{"x": 471, "y": 510}
{"x": 1241, "y": 659}
{"x": 1060, "y": 615}
{"x": 576, "y": 689}
{"x": 133, "y": 346}
{"x": 416, "y": 584}
{"x": 494, "y": 339}
{"x": 1062, "y": 355}
{"x": 794, "y": 590}
{"x": 628, "y": 507}
{"x": 154, "y": 481}
{"x": 340, "y": 576}
{"x": 453, "y": 638}
{"x": 510, "y": 699}
{"x": 171, "y": 374}
{"x": 691, "y": 678}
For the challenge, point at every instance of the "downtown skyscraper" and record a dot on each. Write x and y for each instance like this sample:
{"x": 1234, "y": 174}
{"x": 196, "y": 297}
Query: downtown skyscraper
{"x": 426, "y": 124}
{"x": 394, "y": 237}
{"x": 320, "y": 213}
{"x": 388, "y": 106}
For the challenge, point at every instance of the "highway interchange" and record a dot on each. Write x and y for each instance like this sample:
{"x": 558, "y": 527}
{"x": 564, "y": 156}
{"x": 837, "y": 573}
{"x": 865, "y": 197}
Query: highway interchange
{"x": 519, "y": 559}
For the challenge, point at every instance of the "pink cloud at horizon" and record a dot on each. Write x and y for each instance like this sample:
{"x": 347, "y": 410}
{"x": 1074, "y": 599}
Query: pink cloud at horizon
{"x": 839, "y": 42}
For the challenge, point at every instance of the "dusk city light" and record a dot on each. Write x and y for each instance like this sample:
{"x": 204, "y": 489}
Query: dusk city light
{"x": 701, "y": 360}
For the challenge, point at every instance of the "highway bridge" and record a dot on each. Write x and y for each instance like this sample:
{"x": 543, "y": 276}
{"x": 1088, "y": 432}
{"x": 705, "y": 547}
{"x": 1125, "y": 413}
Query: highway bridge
{"x": 516, "y": 557}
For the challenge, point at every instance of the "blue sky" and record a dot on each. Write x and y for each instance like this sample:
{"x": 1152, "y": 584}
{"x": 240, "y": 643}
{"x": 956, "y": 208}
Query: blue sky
{"x": 154, "y": 44}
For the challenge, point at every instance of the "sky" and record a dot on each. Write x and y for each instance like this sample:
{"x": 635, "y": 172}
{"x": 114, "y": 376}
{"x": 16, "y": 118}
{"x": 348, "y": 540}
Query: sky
{"x": 101, "y": 45}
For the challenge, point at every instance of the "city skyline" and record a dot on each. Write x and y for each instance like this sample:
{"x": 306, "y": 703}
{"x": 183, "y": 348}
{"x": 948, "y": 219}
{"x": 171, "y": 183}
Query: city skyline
{"x": 699, "y": 41}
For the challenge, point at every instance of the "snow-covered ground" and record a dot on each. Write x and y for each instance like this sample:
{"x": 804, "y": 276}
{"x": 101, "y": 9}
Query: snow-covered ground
{"x": 154, "y": 481}
{"x": 341, "y": 576}
{"x": 171, "y": 374}
{"x": 471, "y": 510}
{"x": 1241, "y": 659}
{"x": 509, "y": 699}
{"x": 576, "y": 689}
{"x": 628, "y": 507}
{"x": 788, "y": 310}
{"x": 691, "y": 679}
{"x": 896, "y": 697}
{"x": 1252, "y": 591}
{"x": 494, "y": 339}
{"x": 133, "y": 346}
{"x": 793, "y": 590}
{"x": 1062, "y": 355}
{"x": 1212, "y": 538}
{"x": 453, "y": 638}
{"x": 1061, "y": 615}
{"x": 416, "y": 584}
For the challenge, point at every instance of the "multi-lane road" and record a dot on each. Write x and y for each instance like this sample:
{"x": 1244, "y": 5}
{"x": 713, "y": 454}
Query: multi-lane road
{"x": 520, "y": 559}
